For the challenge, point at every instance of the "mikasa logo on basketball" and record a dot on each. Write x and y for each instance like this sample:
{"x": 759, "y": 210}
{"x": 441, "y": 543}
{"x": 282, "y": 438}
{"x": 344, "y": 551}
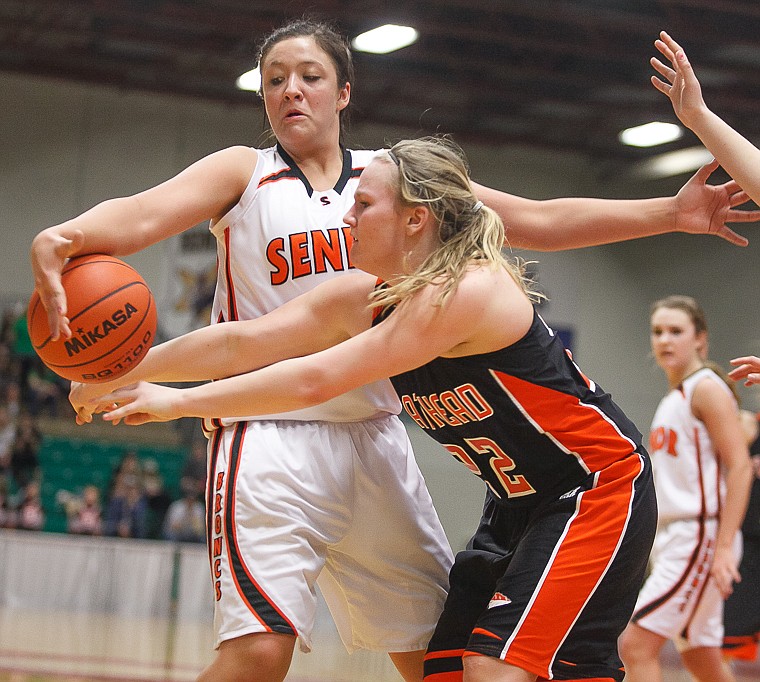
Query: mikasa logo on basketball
{"x": 90, "y": 337}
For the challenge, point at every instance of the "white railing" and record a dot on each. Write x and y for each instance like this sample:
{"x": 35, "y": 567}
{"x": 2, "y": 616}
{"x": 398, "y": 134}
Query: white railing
{"x": 130, "y": 578}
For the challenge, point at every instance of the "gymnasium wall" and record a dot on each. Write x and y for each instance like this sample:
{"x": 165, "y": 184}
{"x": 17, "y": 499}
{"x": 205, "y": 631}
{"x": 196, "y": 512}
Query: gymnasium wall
{"x": 65, "y": 147}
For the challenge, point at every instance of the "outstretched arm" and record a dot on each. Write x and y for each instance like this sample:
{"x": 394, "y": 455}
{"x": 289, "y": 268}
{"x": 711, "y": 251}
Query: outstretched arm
{"x": 739, "y": 157}
{"x": 574, "y": 222}
{"x": 318, "y": 319}
{"x": 419, "y": 330}
{"x": 124, "y": 225}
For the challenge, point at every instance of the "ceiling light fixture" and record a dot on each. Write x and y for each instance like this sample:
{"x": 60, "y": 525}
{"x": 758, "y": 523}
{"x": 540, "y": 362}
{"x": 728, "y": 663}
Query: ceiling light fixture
{"x": 250, "y": 80}
{"x": 673, "y": 163}
{"x": 384, "y": 39}
{"x": 650, "y": 134}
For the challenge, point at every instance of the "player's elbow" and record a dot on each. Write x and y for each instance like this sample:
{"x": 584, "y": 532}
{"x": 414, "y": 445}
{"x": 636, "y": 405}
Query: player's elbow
{"x": 238, "y": 348}
{"x": 316, "y": 385}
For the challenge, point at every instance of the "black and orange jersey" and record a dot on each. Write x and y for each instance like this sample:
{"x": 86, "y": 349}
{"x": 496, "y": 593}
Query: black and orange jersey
{"x": 525, "y": 419}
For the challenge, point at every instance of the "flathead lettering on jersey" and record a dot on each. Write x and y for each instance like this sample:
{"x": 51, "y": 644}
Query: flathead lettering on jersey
{"x": 663, "y": 438}
{"x": 515, "y": 485}
{"x": 309, "y": 253}
{"x": 217, "y": 536}
{"x": 451, "y": 408}
{"x": 523, "y": 418}
{"x": 460, "y": 406}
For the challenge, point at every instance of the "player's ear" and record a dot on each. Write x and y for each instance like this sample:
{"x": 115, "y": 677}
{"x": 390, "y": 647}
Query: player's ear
{"x": 344, "y": 96}
{"x": 702, "y": 344}
{"x": 417, "y": 218}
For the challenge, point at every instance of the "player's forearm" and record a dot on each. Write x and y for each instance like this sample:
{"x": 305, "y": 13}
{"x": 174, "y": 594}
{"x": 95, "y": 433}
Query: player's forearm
{"x": 289, "y": 385}
{"x": 194, "y": 357}
{"x": 575, "y": 222}
{"x": 571, "y": 223}
{"x": 113, "y": 227}
{"x": 738, "y": 484}
{"x": 213, "y": 352}
{"x": 738, "y": 156}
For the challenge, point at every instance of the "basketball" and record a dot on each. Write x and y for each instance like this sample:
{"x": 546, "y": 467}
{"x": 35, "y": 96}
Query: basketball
{"x": 112, "y": 317}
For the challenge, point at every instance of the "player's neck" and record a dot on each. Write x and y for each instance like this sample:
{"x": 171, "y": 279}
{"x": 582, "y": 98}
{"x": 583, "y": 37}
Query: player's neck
{"x": 322, "y": 165}
{"x": 677, "y": 377}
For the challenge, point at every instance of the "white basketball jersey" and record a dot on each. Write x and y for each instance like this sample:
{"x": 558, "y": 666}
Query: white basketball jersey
{"x": 687, "y": 472}
{"x": 282, "y": 239}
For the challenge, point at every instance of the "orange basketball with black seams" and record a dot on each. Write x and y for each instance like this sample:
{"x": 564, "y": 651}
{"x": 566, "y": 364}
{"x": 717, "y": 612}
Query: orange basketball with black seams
{"x": 112, "y": 317}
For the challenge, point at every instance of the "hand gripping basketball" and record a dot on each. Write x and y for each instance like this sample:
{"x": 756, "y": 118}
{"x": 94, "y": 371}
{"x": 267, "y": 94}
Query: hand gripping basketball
{"x": 112, "y": 316}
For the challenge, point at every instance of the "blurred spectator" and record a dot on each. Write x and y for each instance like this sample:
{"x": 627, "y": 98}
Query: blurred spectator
{"x": 7, "y": 513}
{"x": 10, "y": 370}
{"x": 7, "y": 436}
{"x": 13, "y": 400}
{"x": 22, "y": 347}
{"x": 195, "y": 466}
{"x": 45, "y": 390}
{"x": 127, "y": 512}
{"x": 83, "y": 513}
{"x": 25, "y": 450}
{"x": 156, "y": 498}
{"x": 6, "y": 373}
{"x": 6, "y": 326}
{"x": 129, "y": 465}
{"x": 186, "y": 517}
{"x": 29, "y": 513}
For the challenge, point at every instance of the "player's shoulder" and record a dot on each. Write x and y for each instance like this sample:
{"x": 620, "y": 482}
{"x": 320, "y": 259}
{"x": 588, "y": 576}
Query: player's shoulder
{"x": 356, "y": 285}
{"x": 709, "y": 381}
{"x": 482, "y": 280}
{"x": 360, "y": 158}
{"x": 238, "y": 152}
{"x": 344, "y": 300}
{"x": 235, "y": 160}
{"x": 711, "y": 395}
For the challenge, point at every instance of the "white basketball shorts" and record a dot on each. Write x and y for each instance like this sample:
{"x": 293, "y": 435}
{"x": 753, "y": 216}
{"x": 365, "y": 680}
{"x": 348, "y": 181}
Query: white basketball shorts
{"x": 291, "y": 504}
{"x": 679, "y": 600}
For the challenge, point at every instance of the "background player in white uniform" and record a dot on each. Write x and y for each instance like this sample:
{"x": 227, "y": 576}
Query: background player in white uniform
{"x": 702, "y": 476}
{"x": 307, "y": 77}
{"x": 572, "y": 511}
